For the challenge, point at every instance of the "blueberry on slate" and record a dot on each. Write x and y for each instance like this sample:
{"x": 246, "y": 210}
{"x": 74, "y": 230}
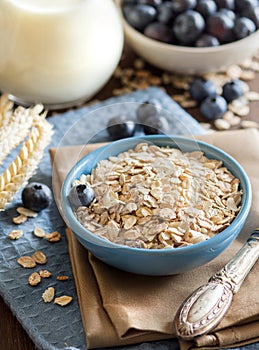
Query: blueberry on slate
{"x": 147, "y": 109}
{"x": 36, "y": 196}
{"x": 155, "y": 125}
{"x": 188, "y": 26}
{"x": 120, "y": 127}
{"x": 213, "y": 107}
{"x": 232, "y": 90}
{"x": 201, "y": 88}
{"x": 244, "y": 27}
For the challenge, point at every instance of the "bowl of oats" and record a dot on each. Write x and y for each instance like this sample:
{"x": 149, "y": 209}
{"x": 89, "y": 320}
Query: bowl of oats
{"x": 156, "y": 205}
{"x": 191, "y": 37}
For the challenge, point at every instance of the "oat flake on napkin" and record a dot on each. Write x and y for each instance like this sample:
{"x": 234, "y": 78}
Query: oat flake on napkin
{"x": 120, "y": 308}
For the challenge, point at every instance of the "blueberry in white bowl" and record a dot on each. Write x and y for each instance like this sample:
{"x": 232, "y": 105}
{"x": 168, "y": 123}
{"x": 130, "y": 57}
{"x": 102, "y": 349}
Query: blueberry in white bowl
{"x": 193, "y": 37}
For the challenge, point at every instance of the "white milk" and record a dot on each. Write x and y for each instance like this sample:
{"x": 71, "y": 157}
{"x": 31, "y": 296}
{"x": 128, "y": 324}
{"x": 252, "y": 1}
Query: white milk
{"x": 57, "y": 51}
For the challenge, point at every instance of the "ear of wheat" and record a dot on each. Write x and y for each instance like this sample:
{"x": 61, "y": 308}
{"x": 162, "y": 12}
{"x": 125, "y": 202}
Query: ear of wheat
{"x": 6, "y": 110}
{"x": 15, "y": 126}
{"x": 39, "y": 133}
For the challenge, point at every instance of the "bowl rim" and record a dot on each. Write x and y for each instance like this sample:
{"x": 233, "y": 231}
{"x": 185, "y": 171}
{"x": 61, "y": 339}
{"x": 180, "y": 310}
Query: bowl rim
{"x": 182, "y": 48}
{"x": 80, "y": 230}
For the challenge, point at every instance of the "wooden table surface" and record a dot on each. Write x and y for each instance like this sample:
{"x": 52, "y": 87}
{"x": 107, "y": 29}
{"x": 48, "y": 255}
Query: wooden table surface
{"x": 12, "y": 335}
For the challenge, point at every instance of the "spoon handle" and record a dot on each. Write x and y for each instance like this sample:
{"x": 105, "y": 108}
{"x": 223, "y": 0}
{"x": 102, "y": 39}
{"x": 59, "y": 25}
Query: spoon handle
{"x": 208, "y": 304}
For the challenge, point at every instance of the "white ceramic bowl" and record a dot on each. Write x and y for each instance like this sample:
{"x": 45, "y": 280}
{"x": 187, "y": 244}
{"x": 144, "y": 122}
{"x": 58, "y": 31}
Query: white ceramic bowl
{"x": 189, "y": 60}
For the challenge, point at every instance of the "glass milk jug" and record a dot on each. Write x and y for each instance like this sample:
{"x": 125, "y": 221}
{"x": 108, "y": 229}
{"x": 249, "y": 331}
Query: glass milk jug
{"x": 57, "y": 52}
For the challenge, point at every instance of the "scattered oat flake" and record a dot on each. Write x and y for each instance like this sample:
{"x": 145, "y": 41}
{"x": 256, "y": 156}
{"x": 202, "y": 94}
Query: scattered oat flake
{"x": 62, "y": 278}
{"x": 15, "y": 234}
{"x": 26, "y": 212}
{"x": 39, "y": 232}
{"x": 247, "y": 75}
{"x": 53, "y": 236}
{"x": 19, "y": 219}
{"x": 241, "y": 111}
{"x": 45, "y": 273}
{"x": 48, "y": 295}
{"x": 63, "y": 300}
{"x": 234, "y": 72}
{"x": 252, "y": 95}
{"x": 39, "y": 257}
{"x": 246, "y": 124}
{"x": 26, "y": 261}
{"x": 188, "y": 104}
{"x": 222, "y": 124}
{"x": 34, "y": 279}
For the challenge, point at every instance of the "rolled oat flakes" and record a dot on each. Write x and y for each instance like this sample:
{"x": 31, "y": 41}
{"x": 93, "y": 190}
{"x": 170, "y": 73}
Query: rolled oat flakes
{"x": 34, "y": 279}
{"x": 39, "y": 257}
{"x": 159, "y": 197}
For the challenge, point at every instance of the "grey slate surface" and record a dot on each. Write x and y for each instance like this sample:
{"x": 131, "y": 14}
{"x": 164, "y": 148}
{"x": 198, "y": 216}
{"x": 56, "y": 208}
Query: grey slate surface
{"x": 49, "y": 326}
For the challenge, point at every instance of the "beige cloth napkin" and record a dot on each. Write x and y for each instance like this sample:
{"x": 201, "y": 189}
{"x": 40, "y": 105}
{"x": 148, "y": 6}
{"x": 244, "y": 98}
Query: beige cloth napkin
{"x": 121, "y": 308}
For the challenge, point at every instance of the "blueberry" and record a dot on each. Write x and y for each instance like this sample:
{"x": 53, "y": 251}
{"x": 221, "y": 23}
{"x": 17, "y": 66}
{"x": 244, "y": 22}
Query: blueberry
{"x": 81, "y": 195}
{"x": 201, "y": 88}
{"x": 221, "y": 26}
{"x": 147, "y": 109}
{"x": 206, "y": 7}
{"x": 139, "y": 16}
{"x": 129, "y": 2}
{"x": 244, "y": 5}
{"x": 120, "y": 127}
{"x": 227, "y": 4}
{"x": 188, "y": 26}
{"x": 232, "y": 90}
{"x": 213, "y": 107}
{"x": 207, "y": 40}
{"x": 155, "y": 3}
{"x": 36, "y": 196}
{"x": 231, "y": 14}
{"x": 158, "y": 31}
{"x": 183, "y": 5}
{"x": 166, "y": 12}
{"x": 199, "y": 23}
{"x": 244, "y": 27}
{"x": 156, "y": 125}
{"x": 252, "y": 14}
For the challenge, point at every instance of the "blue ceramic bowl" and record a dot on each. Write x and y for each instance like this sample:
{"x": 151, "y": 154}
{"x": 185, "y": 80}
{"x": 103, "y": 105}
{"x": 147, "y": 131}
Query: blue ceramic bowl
{"x": 156, "y": 261}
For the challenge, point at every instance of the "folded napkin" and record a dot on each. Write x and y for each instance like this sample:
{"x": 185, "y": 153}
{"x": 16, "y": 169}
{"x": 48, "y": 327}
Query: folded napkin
{"x": 120, "y": 308}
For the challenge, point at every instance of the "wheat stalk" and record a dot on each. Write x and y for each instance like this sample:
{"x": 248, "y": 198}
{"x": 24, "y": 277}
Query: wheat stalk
{"x": 6, "y": 107}
{"x": 15, "y": 126}
{"x": 24, "y": 165}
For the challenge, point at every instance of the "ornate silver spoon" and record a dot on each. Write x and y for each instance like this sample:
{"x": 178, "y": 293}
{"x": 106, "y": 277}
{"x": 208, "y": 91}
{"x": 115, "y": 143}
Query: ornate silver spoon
{"x": 208, "y": 304}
